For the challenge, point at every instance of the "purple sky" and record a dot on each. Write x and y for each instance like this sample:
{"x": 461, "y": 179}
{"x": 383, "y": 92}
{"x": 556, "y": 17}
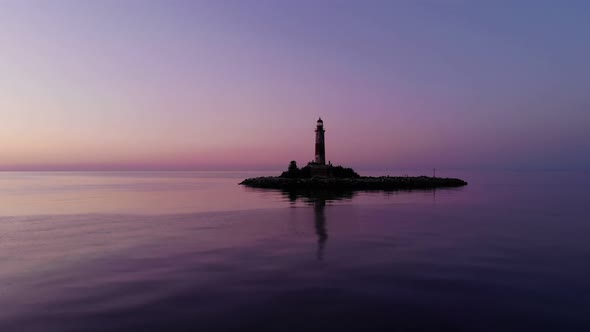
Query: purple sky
{"x": 240, "y": 84}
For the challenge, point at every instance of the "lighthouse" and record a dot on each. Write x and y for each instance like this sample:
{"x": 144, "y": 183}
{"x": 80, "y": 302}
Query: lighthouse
{"x": 320, "y": 148}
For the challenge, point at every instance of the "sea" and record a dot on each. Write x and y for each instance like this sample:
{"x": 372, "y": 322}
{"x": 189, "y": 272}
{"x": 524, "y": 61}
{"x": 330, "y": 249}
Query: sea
{"x": 195, "y": 251}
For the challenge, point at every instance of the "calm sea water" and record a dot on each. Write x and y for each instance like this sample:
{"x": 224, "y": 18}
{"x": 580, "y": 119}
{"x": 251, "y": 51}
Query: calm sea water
{"x": 193, "y": 251}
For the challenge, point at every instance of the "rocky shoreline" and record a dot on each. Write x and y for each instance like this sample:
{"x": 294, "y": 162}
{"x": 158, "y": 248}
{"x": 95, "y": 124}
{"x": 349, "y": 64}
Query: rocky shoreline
{"x": 360, "y": 183}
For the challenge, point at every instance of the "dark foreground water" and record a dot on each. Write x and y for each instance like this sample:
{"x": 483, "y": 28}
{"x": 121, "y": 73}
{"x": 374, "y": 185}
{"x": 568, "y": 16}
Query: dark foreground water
{"x": 196, "y": 252}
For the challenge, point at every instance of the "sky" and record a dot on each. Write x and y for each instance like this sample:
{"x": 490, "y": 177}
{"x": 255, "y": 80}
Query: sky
{"x": 239, "y": 85}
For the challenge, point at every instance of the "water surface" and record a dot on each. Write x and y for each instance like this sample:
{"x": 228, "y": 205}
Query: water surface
{"x": 195, "y": 251}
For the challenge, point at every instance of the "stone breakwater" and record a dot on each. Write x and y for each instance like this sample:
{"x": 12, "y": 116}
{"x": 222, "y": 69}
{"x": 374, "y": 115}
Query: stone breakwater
{"x": 361, "y": 183}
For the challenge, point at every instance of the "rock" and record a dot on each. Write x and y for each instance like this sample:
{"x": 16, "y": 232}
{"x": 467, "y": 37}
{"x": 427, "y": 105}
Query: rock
{"x": 360, "y": 183}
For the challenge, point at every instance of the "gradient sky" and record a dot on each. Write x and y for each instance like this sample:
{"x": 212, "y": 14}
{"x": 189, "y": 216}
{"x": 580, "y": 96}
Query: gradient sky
{"x": 239, "y": 84}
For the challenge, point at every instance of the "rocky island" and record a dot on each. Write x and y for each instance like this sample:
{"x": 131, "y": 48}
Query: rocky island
{"x": 344, "y": 180}
{"x": 317, "y": 175}
{"x": 360, "y": 183}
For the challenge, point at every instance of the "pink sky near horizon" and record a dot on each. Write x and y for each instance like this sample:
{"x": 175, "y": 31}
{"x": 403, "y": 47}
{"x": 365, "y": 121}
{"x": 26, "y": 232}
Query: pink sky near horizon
{"x": 204, "y": 85}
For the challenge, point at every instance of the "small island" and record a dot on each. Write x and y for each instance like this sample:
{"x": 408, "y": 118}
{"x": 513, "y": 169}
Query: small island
{"x": 317, "y": 175}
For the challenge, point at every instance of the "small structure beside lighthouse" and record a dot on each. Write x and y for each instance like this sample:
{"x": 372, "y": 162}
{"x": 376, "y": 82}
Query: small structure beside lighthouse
{"x": 320, "y": 147}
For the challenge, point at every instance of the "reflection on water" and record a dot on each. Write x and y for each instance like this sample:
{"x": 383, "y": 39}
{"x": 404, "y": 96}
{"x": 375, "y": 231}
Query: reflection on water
{"x": 318, "y": 199}
{"x": 320, "y": 226}
{"x": 312, "y": 196}
{"x": 191, "y": 251}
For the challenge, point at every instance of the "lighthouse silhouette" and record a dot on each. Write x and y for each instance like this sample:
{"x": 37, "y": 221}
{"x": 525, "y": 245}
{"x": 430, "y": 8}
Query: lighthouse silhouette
{"x": 320, "y": 147}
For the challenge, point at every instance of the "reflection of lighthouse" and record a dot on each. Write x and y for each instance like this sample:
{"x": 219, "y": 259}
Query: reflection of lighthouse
{"x": 320, "y": 148}
{"x": 320, "y": 226}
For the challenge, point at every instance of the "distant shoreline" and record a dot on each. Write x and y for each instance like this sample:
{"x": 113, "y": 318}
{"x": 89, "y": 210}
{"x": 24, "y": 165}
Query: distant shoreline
{"x": 360, "y": 183}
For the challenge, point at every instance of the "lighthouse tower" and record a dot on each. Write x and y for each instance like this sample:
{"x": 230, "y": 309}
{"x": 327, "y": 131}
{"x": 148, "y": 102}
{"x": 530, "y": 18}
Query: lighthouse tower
{"x": 320, "y": 148}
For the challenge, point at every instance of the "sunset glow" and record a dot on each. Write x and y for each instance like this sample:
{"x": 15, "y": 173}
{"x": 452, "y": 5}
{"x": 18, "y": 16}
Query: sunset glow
{"x": 239, "y": 85}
